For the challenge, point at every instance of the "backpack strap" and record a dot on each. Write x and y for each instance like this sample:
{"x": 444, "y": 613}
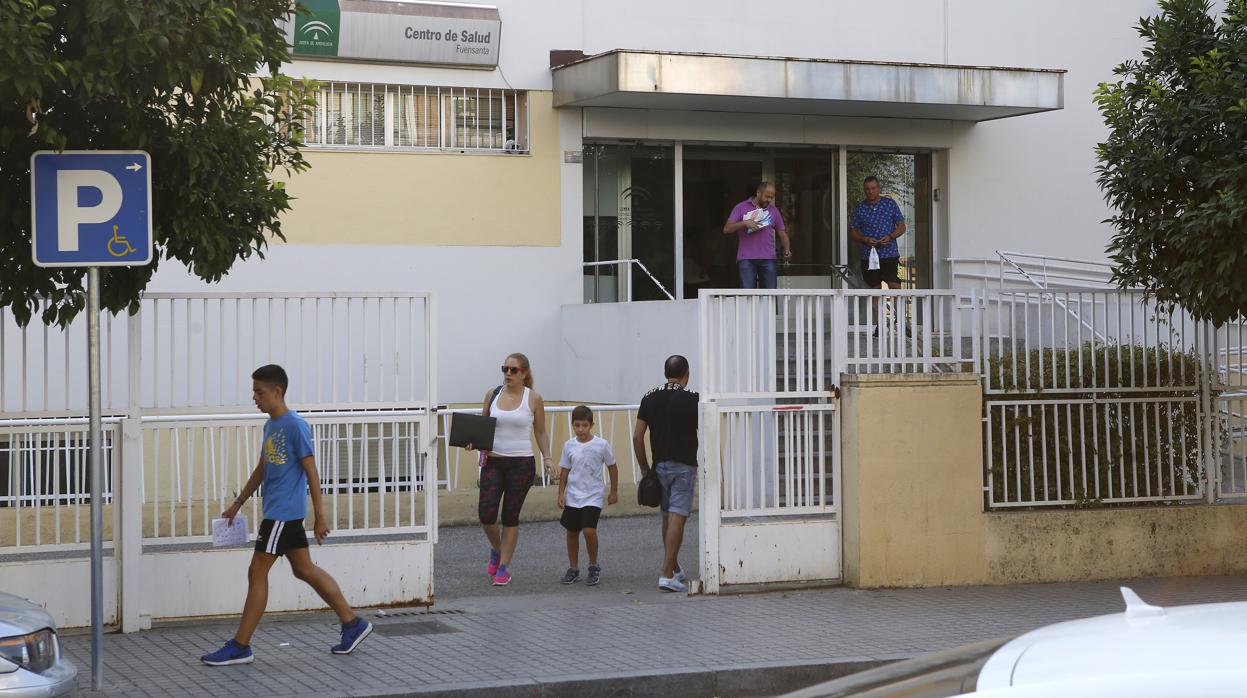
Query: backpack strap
{"x": 491, "y": 400}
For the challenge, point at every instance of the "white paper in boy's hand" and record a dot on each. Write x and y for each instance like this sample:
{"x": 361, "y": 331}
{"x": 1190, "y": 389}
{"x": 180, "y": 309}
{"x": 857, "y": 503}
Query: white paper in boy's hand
{"x": 225, "y": 535}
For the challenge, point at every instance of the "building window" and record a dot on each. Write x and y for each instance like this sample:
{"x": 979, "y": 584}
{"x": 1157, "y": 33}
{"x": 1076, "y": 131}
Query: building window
{"x": 417, "y": 117}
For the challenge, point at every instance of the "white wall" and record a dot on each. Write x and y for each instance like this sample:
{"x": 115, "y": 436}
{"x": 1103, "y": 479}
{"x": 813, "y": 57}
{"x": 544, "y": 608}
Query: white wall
{"x": 1028, "y": 184}
{"x": 616, "y": 351}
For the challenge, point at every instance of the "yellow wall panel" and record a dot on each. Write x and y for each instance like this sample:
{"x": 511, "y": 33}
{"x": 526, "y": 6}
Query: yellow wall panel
{"x": 429, "y": 198}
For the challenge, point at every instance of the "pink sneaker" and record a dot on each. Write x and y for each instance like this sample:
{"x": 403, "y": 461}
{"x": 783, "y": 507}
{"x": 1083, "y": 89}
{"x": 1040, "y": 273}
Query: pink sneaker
{"x": 503, "y": 577}
{"x": 492, "y": 568}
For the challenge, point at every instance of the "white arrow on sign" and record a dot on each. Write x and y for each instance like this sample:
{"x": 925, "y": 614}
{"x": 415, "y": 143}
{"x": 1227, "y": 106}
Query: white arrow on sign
{"x": 134, "y": 166}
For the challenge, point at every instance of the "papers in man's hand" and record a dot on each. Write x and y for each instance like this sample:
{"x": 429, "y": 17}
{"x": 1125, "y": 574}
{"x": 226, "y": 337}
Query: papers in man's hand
{"x": 761, "y": 215}
{"x": 225, "y": 535}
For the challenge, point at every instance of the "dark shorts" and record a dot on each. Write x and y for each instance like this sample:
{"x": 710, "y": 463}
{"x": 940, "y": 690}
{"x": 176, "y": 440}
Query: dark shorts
{"x": 575, "y": 519}
{"x": 885, "y": 272}
{"x": 505, "y": 481}
{"x": 280, "y": 537}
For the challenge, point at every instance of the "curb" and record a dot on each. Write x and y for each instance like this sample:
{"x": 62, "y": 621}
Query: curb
{"x": 738, "y": 681}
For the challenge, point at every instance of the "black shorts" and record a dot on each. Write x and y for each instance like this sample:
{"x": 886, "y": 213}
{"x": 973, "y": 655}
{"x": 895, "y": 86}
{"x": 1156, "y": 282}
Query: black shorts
{"x": 280, "y": 537}
{"x": 885, "y": 272}
{"x": 574, "y": 519}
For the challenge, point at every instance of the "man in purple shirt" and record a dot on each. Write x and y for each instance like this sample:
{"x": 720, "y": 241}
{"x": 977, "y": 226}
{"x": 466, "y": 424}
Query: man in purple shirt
{"x": 755, "y": 222}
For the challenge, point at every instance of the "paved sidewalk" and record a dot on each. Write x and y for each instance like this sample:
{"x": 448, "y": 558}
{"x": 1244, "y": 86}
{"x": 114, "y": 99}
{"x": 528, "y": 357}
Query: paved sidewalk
{"x": 580, "y": 641}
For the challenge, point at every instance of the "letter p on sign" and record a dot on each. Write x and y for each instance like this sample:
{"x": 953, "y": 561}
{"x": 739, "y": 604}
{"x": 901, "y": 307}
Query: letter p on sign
{"x": 71, "y": 213}
{"x": 91, "y": 208}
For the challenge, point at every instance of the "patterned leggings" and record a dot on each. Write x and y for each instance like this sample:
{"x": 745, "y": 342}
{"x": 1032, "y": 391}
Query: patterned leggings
{"x": 506, "y": 480}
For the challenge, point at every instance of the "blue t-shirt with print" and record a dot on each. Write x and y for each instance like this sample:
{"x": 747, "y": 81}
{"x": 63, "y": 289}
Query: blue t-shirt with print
{"x": 287, "y": 441}
{"x": 876, "y": 222}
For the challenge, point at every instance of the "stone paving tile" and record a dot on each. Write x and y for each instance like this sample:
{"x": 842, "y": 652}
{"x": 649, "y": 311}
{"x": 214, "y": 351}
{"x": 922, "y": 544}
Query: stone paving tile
{"x": 528, "y": 643}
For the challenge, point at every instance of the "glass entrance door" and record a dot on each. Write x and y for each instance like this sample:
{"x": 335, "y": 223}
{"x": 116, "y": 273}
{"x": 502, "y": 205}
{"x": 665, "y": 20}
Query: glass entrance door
{"x": 805, "y": 192}
{"x": 905, "y": 178}
{"x": 629, "y": 214}
{"x": 717, "y": 178}
{"x": 714, "y": 182}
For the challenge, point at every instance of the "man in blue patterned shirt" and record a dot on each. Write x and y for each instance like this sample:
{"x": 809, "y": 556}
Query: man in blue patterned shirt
{"x": 877, "y": 223}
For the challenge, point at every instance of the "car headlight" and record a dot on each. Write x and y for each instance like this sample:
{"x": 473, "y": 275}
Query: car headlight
{"x": 950, "y": 673}
{"x": 35, "y": 652}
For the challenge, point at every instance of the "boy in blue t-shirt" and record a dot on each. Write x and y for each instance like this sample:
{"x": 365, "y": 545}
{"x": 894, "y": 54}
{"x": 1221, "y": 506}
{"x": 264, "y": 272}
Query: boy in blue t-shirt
{"x": 287, "y": 466}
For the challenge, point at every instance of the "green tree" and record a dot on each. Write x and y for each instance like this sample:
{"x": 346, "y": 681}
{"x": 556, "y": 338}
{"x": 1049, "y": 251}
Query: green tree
{"x": 895, "y": 172}
{"x": 1174, "y": 166}
{"x": 176, "y": 78}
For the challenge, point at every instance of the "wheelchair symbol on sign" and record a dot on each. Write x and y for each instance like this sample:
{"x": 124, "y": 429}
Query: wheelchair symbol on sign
{"x": 118, "y": 245}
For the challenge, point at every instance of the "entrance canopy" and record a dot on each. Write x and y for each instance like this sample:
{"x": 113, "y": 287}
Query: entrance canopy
{"x": 711, "y": 82}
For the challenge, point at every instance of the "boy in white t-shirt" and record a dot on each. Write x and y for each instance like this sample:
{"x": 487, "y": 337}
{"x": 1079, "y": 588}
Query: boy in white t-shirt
{"x": 582, "y": 489}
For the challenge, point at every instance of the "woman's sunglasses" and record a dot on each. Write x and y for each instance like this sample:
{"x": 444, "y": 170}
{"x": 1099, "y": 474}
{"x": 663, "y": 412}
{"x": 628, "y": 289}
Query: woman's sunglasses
{"x": 512, "y": 370}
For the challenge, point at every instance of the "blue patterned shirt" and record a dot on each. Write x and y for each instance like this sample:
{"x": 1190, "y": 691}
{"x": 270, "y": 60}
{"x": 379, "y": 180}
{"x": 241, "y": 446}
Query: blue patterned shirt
{"x": 877, "y": 222}
{"x": 287, "y": 441}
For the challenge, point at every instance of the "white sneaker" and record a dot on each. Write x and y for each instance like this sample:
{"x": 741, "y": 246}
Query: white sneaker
{"x": 679, "y": 576}
{"x": 671, "y": 584}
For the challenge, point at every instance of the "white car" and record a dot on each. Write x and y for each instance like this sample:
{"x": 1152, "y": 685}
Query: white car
{"x": 1146, "y": 652}
{"x": 30, "y": 653}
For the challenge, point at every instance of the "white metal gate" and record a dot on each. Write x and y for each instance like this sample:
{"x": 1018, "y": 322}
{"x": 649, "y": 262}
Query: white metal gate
{"x": 770, "y": 364}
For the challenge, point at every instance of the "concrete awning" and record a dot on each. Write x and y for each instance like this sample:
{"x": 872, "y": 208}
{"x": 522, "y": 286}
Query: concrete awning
{"x": 710, "y": 82}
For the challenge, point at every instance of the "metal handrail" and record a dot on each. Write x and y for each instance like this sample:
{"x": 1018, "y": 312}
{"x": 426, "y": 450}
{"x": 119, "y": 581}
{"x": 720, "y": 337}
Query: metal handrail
{"x": 639, "y": 264}
{"x": 1024, "y": 267}
{"x": 1044, "y": 257}
{"x": 1006, "y": 259}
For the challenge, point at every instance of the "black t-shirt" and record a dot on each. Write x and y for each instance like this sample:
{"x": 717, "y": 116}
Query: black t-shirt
{"x": 671, "y": 413}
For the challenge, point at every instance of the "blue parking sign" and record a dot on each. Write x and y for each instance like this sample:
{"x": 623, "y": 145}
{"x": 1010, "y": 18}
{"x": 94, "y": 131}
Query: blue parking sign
{"x": 91, "y": 208}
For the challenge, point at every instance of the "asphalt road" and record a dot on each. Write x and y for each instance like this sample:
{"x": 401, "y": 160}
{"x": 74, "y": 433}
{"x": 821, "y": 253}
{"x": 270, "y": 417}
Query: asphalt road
{"x": 630, "y": 557}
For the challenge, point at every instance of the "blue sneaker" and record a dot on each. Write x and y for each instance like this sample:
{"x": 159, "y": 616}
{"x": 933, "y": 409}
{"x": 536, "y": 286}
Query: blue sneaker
{"x": 351, "y": 637}
{"x": 231, "y": 653}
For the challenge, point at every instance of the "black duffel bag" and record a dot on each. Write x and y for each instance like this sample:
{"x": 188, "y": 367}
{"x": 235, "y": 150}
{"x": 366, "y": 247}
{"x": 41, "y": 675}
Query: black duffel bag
{"x": 649, "y": 489}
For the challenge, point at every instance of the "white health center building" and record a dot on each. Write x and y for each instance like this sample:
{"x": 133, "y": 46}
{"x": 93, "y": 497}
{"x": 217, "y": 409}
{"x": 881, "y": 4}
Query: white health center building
{"x": 507, "y": 157}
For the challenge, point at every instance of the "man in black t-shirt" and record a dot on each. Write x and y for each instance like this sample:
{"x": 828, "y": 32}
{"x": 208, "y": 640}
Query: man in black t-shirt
{"x": 669, "y": 412}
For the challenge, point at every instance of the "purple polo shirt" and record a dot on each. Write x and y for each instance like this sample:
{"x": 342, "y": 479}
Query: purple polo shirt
{"x": 760, "y": 244}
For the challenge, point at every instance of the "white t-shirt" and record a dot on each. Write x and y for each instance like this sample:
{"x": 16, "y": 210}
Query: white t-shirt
{"x": 584, "y": 463}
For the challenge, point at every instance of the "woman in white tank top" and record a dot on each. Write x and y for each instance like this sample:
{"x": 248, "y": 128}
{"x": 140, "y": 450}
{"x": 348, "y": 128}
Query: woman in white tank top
{"x": 509, "y": 469}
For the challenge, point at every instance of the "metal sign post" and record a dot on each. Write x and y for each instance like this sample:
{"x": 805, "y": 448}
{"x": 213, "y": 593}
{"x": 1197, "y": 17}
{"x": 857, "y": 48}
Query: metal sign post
{"x": 97, "y": 478}
{"x": 92, "y": 208}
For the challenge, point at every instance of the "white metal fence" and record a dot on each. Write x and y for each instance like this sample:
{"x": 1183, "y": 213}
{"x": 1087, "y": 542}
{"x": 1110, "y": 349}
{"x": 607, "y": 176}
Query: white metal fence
{"x": 778, "y": 459}
{"x": 913, "y": 331}
{"x": 1098, "y": 396}
{"x": 796, "y": 343}
{"x": 45, "y": 484}
{"x": 374, "y": 471}
{"x": 1093, "y": 396}
{"x": 1086, "y": 340}
{"x": 191, "y": 353}
{"x": 1088, "y": 451}
{"x": 361, "y": 369}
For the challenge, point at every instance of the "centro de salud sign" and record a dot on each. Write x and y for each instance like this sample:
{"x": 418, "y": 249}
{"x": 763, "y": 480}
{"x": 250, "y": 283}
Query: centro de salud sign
{"x": 397, "y": 32}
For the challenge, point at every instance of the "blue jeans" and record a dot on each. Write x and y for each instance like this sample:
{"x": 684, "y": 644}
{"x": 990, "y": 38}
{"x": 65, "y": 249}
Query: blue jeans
{"x": 756, "y": 273}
